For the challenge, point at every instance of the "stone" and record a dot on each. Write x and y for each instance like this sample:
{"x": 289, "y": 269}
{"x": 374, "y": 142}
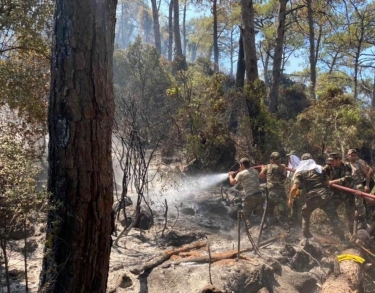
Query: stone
{"x": 145, "y": 219}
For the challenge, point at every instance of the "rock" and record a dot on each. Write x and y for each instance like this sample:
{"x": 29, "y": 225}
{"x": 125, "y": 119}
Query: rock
{"x": 126, "y": 202}
{"x": 263, "y": 290}
{"x": 300, "y": 261}
{"x": 233, "y": 212}
{"x": 145, "y": 219}
{"x": 287, "y": 250}
{"x": 188, "y": 211}
{"x": 119, "y": 280}
{"x": 125, "y": 222}
{"x": 249, "y": 279}
{"x": 303, "y": 260}
{"x": 175, "y": 239}
{"x": 125, "y": 282}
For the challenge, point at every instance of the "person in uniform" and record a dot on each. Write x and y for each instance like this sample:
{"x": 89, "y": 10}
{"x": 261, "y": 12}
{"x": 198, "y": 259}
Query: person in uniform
{"x": 249, "y": 179}
{"x": 275, "y": 173}
{"x": 313, "y": 180}
{"x": 341, "y": 174}
{"x": 361, "y": 174}
{"x": 299, "y": 201}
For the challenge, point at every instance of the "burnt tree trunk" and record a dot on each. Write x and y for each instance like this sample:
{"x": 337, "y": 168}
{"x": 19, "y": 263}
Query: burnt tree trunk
{"x": 80, "y": 118}
{"x": 240, "y": 75}
{"x": 179, "y": 59}
{"x": 248, "y": 38}
{"x": 155, "y": 17}
{"x": 170, "y": 31}
{"x": 277, "y": 58}
{"x": 312, "y": 57}
{"x": 215, "y": 39}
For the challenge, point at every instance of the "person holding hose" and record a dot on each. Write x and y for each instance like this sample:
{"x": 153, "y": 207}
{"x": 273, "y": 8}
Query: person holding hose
{"x": 314, "y": 181}
{"x": 361, "y": 174}
{"x": 299, "y": 201}
{"x": 248, "y": 178}
{"x": 341, "y": 174}
{"x": 275, "y": 173}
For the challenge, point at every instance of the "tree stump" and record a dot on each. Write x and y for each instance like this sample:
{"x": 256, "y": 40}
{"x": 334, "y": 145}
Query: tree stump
{"x": 349, "y": 279}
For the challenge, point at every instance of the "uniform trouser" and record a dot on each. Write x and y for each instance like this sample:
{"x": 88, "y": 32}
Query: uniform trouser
{"x": 324, "y": 203}
{"x": 348, "y": 200}
{"x": 359, "y": 204}
{"x": 277, "y": 202}
{"x": 253, "y": 202}
{"x": 298, "y": 203}
{"x": 370, "y": 210}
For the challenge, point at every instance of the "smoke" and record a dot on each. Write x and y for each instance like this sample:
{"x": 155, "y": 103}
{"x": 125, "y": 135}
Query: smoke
{"x": 185, "y": 188}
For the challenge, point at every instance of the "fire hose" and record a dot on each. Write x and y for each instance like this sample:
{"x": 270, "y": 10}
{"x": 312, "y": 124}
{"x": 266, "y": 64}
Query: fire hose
{"x": 355, "y": 192}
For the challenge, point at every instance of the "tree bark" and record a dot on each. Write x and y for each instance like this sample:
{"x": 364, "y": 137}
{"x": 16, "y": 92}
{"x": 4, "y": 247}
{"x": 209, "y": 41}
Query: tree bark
{"x": 184, "y": 36}
{"x": 176, "y": 28}
{"x": 310, "y": 17}
{"x": 348, "y": 280}
{"x": 240, "y": 74}
{"x": 155, "y": 17}
{"x": 80, "y": 118}
{"x": 215, "y": 39}
{"x": 170, "y": 31}
{"x": 248, "y": 37}
{"x": 277, "y": 58}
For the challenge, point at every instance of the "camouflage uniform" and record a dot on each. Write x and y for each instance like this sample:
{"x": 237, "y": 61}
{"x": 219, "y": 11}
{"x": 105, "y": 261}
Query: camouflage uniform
{"x": 254, "y": 198}
{"x": 358, "y": 178}
{"x": 298, "y": 202}
{"x": 344, "y": 174}
{"x": 276, "y": 176}
{"x": 317, "y": 196}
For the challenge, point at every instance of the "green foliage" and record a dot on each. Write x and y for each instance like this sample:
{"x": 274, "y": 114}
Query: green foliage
{"x": 18, "y": 195}
{"x": 26, "y": 27}
{"x": 138, "y": 70}
{"x": 331, "y": 122}
{"x": 292, "y": 99}
{"x": 203, "y": 110}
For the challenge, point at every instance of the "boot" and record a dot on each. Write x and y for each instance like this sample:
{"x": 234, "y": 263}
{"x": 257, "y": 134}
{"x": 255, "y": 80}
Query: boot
{"x": 351, "y": 226}
{"x": 306, "y": 229}
{"x": 341, "y": 234}
{"x": 362, "y": 225}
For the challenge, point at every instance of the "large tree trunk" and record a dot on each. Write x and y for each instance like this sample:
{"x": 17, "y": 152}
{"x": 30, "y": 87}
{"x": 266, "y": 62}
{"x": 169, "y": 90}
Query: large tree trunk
{"x": 349, "y": 279}
{"x": 179, "y": 60}
{"x": 184, "y": 36}
{"x": 81, "y": 110}
{"x": 277, "y": 58}
{"x": 310, "y": 17}
{"x": 176, "y": 28}
{"x": 170, "y": 31}
{"x": 155, "y": 17}
{"x": 248, "y": 37}
{"x": 240, "y": 74}
{"x": 216, "y": 45}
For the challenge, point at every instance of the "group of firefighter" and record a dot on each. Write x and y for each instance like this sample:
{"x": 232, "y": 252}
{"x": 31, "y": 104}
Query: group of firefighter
{"x": 309, "y": 186}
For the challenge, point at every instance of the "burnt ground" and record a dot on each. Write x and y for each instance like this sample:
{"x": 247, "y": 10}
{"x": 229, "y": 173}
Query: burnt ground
{"x": 287, "y": 264}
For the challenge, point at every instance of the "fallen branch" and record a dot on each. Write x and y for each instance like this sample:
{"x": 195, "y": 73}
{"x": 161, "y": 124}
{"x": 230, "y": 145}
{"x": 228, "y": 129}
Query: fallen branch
{"x": 222, "y": 255}
{"x": 165, "y": 218}
{"x": 209, "y": 262}
{"x": 165, "y": 256}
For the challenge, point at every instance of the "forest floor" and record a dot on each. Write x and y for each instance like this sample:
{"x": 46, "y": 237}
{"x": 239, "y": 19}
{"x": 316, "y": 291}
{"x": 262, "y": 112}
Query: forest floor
{"x": 286, "y": 264}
